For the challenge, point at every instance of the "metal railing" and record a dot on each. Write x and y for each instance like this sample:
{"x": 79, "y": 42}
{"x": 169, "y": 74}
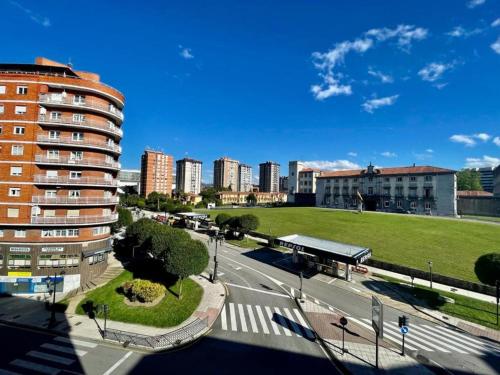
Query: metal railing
{"x": 73, "y": 200}
{"x": 87, "y": 103}
{"x": 174, "y": 338}
{"x": 74, "y": 181}
{"x": 42, "y": 159}
{"x": 76, "y": 142}
{"x": 85, "y": 123}
{"x": 73, "y": 220}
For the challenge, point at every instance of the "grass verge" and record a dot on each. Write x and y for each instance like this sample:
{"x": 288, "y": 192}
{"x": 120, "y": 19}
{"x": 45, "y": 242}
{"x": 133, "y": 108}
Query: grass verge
{"x": 247, "y": 243}
{"x": 483, "y": 218}
{"x": 168, "y": 313}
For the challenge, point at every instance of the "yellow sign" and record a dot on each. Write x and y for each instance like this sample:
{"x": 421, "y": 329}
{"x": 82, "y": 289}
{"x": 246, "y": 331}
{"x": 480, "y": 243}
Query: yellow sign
{"x": 20, "y": 274}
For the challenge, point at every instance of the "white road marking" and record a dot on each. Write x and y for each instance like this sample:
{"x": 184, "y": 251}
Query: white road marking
{"x": 386, "y": 334}
{"x": 316, "y": 301}
{"x": 50, "y": 357}
{"x": 238, "y": 268}
{"x": 243, "y": 321}
{"x": 464, "y": 339}
{"x": 118, "y": 363}
{"x": 441, "y": 338}
{"x": 223, "y": 318}
{"x": 415, "y": 336}
{"x": 282, "y": 321}
{"x": 75, "y": 342}
{"x": 35, "y": 367}
{"x": 356, "y": 290}
{"x": 304, "y": 296}
{"x": 292, "y": 292}
{"x": 64, "y": 349}
{"x": 410, "y": 340}
{"x": 253, "y": 323}
{"x": 262, "y": 320}
{"x": 232, "y": 316}
{"x": 273, "y": 323}
{"x": 293, "y": 323}
{"x": 330, "y": 308}
{"x": 332, "y": 281}
{"x": 257, "y": 290}
{"x": 305, "y": 326}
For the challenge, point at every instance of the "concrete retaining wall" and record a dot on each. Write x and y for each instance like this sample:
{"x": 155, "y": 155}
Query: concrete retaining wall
{"x": 484, "y": 206}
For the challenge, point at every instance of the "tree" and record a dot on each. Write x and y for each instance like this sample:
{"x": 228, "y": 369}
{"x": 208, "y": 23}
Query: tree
{"x": 251, "y": 199}
{"x": 248, "y": 223}
{"x": 139, "y": 233}
{"x": 154, "y": 200}
{"x": 468, "y": 179}
{"x": 186, "y": 258}
{"x": 164, "y": 239}
{"x": 487, "y": 268}
{"x": 222, "y": 220}
{"x": 124, "y": 217}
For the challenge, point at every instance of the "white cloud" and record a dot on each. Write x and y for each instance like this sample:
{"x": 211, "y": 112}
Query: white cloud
{"x": 496, "y": 141}
{"x": 429, "y": 150}
{"x": 186, "y": 53}
{"x": 495, "y": 46}
{"x": 482, "y": 136}
{"x": 460, "y": 32}
{"x": 44, "y": 21}
{"x": 427, "y": 154}
{"x": 372, "y": 104}
{"x": 485, "y": 161}
{"x": 474, "y": 3}
{"x": 467, "y": 140}
{"x": 388, "y": 154}
{"x": 332, "y": 165}
{"x": 327, "y": 62}
{"x": 433, "y": 71}
{"x": 496, "y": 23}
{"x": 440, "y": 86}
{"x": 384, "y": 78}
{"x": 353, "y": 154}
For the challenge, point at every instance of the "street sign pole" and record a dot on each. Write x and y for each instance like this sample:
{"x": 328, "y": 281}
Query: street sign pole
{"x": 343, "y": 322}
{"x": 403, "y": 346}
{"x": 300, "y": 289}
{"x": 376, "y": 351}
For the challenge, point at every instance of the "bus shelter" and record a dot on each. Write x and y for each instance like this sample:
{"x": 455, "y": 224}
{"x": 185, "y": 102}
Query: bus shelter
{"x": 326, "y": 256}
{"x": 192, "y": 219}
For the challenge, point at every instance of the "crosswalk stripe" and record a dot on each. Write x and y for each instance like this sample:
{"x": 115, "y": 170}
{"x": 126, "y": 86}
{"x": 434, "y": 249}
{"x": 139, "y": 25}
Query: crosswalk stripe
{"x": 464, "y": 339}
{"x": 292, "y": 292}
{"x": 316, "y": 301}
{"x": 232, "y": 317}
{"x": 7, "y": 372}
{"x": 253, "y": 323}
{"x": 477, "y": 343}
{"x": 262, "y": 319}
{"x": 282, "y": 322}
{"x": 75, "y": 342}
{"x": 387, "y": 335}
{"x": 422, "y": 344}
{"x": 292, "y": 322}
{"x": 273, "y": 323}
{"x": 50, "y": 357}
{"x": 64, "y": 349}
{"x": 223, "y": 318}
{"x": 302, "y": 321}
{"x": 330, "y": 308}
{"x": 35, "y": 366}
{"x": 416, "y": 336}
{"x": 455, "y": 345}
{"x": 243, "y": 320}
{"x": 304, "y": 296}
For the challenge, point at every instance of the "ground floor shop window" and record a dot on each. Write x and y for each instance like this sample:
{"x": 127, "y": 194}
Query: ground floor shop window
{"x": 97, "y": 258}
{"x": 54, "y": 261}
{"x": 19, "y": 261}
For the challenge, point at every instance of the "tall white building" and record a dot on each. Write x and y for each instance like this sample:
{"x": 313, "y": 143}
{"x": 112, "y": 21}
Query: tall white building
{"x": 294, "y": 168}
{"x": 269, "y": 177}
{"x": 245, "y": 178}
{"x": 188, "y": 176}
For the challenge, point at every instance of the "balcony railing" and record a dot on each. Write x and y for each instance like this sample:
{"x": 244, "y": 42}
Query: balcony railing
{"x": 65, "y": 180}
{"x": 83, "y": 143}
{"x": 115, "y": 130}
{"x": 65, "y": 160}
{"x": 88, "y": 103}
{"x": 64, "y": 220}
{"x": 78, "y": 201}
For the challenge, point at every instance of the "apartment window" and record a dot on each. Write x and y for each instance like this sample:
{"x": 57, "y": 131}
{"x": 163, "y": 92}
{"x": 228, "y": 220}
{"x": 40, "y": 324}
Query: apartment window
{"x": 2, "y": 90}
{"x": 16, "y": 171}
{"x": 75, "y": 174}
{"x": 54, "y": 134}
{"x": 74, "y": 193}
{"x": 20, "y": 233}
{"x": 399, "y": 204}
{"x": 51, "y": 174}
{"x": 413, "y": 178}
{"x": 370, "y": 191}
{"x": 58, "y": 260}
{"x": 17, "y": 150}
{"x": 97, "y": 258}
{"x": 60, "y": 232}
{"x": 399, "y": 179}
{"x": 19, "y": 261}
{"x": 413, "y": 192}
{"x": 79, "y": 99}
{"x": 53, "y": 154}
{"x": 55, "y": 115}
{"x": 98, "y": 231}
{"x": 73, "y": 213}
{"x": 428, "y": 178}
{"x": 427, "y": 205}
{"x": 19, "y": 130}
{"x": 14, "y": 192}
{"x": 49, "y": 213}
{"x": 413, "y": 204}
{"x": 20, "y": 110}
{"x": 78, "y": 117}
{"x": 12, "y": 212}
{"x": 77, "y": 136}
{"x": 355, "y": 180}
{"x": 386, "y": 204}
{"x": 22, "y": 90}
{"x": 50, "y": 193}
{"x": 370, "y": 179}
{"x": 1, "y": 232}
{"x": 2, "y": 109}
{"x": 386, "y": 179}
{"x": 106, "y": 212}
{"x": 76, "y": 155}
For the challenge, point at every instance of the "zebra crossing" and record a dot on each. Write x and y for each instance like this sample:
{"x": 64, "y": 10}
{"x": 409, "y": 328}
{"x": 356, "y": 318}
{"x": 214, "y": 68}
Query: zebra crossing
{"x": 434, "y": 338}
{"x": 256, "y": 319}
{"x": 50, "y": 358}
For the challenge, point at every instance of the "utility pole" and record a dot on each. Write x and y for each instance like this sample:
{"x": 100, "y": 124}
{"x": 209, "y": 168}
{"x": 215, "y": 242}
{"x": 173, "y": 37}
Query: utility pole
{"x": 430, "y": 271}
{"x": 300, "y": 289}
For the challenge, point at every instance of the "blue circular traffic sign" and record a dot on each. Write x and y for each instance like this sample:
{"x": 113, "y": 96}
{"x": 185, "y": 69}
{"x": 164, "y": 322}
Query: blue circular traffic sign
{"x": 404, "y": 330}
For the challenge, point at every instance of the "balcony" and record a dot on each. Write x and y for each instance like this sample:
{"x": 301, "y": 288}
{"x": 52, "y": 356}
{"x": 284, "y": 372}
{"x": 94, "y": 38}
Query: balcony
{"x": 64, "y": 220}
{"x": 71, "y": 201}
{"x": 86, "y": 162}
{"x": 86, "y": 124}
{"x": 68, "y": 141}
{"x": 65, "y": 180}
{"x": 89, "y": 104}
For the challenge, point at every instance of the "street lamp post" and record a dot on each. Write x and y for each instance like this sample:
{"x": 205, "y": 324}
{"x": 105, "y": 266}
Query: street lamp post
{"x": 217, "y": 239}
{"x": 430, "y": 271}
{"x": 52, "y": 320}
{"x": 300, "y": 289}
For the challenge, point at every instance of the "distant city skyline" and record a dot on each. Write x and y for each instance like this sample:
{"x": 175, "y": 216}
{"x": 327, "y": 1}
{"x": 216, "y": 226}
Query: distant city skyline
{"x": 337, "y": 85}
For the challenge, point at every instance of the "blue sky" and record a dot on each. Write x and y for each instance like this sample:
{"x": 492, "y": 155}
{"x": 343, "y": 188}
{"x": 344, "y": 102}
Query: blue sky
{"x": 335, "y": 83}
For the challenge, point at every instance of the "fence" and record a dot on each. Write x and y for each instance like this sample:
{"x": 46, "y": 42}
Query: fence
{"x": 166, "y": 340}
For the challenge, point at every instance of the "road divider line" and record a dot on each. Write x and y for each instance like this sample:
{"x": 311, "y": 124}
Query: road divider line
{"x": 118, "y": 363}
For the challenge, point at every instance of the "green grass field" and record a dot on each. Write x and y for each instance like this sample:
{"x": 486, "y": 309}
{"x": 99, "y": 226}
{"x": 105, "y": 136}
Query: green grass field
{"x": 452, "y": 245}
{"x": 168, "y": 313}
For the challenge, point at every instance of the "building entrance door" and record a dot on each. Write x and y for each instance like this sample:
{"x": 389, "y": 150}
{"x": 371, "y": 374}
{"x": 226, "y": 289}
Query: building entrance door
{"x": 370, "y": 204}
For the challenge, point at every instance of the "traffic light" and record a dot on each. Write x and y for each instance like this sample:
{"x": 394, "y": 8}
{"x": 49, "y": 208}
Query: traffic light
{"x": 403, "y": 321}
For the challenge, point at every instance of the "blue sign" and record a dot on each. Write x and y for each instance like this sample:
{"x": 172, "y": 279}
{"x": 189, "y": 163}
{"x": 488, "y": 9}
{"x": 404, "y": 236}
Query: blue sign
{"x": 404, "y": 330}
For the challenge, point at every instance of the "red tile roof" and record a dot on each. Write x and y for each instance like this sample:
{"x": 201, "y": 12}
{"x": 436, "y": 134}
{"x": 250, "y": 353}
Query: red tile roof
{"x": 387, "y": 171}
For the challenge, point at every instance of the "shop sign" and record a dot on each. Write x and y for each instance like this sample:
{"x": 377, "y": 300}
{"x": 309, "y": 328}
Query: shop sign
{"x": 52, "y": 249}
{"x": 23, "y": 280}
{"x": 20, "y": 273}
{"x": 18, "y": 249}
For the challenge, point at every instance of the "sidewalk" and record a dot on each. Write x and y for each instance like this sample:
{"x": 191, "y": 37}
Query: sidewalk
{"x": 359, "y": 357}
{"x": 32, "y": 313}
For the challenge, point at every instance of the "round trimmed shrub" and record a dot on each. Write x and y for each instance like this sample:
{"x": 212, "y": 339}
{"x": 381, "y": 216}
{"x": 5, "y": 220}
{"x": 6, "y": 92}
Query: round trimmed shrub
{"x": 147, "y": 291}
{"x": 487, "y": 268}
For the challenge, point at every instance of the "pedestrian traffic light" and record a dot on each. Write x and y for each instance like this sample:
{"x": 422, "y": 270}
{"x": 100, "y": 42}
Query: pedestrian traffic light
{"x": 403, "y": 321}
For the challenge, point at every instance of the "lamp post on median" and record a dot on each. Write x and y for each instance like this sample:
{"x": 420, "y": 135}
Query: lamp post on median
{"x": 52, "y": 320}
{"x": 430, "y": 271}
{"x": 300, "y": 289}
{"x": 217, "y": 239}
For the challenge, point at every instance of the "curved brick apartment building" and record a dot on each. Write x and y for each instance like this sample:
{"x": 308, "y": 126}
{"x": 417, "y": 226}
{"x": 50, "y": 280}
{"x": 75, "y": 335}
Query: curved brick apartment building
{"x": 60, "y": 131}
